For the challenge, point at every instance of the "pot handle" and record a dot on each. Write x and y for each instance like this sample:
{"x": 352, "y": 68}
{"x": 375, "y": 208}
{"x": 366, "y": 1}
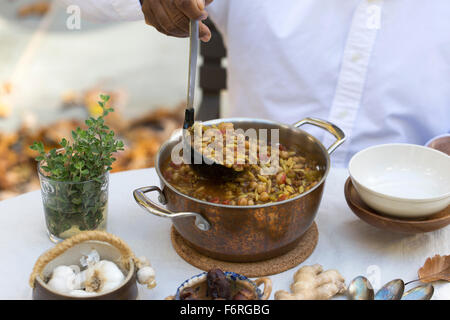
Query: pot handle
{"x": 267, "y": 287}
{"x": 154, "y": 208}
{"x": 328, "y": 126}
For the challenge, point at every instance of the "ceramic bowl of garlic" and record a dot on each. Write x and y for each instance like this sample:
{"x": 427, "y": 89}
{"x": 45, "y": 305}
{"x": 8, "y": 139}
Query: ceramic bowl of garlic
{"x": 92, "y": 265}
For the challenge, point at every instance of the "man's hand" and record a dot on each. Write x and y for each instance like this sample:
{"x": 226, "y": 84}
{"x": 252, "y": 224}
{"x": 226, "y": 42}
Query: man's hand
{"x": 172, "y": 17}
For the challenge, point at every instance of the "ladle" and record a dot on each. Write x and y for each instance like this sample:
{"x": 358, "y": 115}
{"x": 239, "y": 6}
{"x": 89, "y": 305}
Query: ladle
{"x": 204, "y": 166}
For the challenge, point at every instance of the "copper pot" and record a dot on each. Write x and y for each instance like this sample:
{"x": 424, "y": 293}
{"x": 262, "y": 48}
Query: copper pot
{"x": 245, "y": 233}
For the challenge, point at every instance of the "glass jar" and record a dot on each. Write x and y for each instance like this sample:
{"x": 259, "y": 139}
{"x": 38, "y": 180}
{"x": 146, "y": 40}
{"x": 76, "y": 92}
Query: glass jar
{"x": 71, "y": 207}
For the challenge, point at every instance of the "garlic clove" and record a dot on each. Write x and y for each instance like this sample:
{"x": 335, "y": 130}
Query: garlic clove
{"x": 62, "y": 271}
{"x": 103, "y": 276}
{"x": 90, "y": 259}
{"x": 146, "y": 275}
{"x": 100, "y": 276}
{"x": 62, "y": 280}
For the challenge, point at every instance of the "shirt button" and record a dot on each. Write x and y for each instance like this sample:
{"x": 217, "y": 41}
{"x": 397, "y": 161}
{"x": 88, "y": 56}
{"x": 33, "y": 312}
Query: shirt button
{"x": 356, "y": 57}
{"x": 343, "y": 114}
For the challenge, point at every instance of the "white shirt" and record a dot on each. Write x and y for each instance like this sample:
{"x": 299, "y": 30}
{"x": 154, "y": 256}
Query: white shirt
{"x": 380, "y": 70}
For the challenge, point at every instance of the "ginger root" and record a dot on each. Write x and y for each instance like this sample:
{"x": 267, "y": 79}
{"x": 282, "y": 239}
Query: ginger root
{"x": 311, "y": 283}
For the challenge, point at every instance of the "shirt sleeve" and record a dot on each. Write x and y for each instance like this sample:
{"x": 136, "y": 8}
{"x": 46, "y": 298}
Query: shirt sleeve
{"x": 108, "y": 10}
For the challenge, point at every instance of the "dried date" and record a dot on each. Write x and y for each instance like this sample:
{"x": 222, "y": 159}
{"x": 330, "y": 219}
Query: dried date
{"x": 218, "y": 284}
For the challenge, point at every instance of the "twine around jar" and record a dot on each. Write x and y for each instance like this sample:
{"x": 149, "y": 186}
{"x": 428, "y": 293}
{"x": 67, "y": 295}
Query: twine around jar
{"x": 46, "y": 257}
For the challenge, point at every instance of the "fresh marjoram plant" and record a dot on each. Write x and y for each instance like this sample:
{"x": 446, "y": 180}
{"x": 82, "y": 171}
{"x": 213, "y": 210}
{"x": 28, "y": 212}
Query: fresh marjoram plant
{"x": 76, "y": 181}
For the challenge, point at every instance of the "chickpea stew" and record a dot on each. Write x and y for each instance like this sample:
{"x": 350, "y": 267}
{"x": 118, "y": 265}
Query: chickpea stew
{"x": 293, "y": 175}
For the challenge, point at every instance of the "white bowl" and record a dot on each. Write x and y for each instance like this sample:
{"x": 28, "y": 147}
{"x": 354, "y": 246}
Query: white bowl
{"x": 403, "y": 180}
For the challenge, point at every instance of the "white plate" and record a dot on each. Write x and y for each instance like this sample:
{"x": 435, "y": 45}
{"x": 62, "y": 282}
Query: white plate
{"x": 403, "y": 180}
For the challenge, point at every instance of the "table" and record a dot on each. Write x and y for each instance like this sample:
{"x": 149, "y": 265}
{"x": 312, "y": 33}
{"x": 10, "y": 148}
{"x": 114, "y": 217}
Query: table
{"x": 345, "y": 242}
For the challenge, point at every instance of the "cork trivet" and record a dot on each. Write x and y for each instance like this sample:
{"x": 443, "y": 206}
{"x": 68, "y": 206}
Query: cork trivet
{"x": 272, "y": 266}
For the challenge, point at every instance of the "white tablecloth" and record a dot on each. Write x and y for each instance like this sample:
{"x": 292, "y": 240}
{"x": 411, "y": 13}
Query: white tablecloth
{"x": 345, "y": 242}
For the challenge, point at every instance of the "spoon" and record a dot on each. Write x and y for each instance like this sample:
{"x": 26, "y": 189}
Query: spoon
{"x": 423, "y": 292}
{"x": 360, "y": 289}
{"x": 392, "y": 290}
{"x": 204, "y": 166}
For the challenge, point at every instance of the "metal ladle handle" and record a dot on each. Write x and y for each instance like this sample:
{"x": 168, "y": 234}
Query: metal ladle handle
{"x": 152, "y": 207}
{"x": 193, "y": 53}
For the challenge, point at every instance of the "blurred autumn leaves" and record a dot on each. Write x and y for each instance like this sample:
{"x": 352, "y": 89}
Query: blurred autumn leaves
{"x": 142, "y": 137}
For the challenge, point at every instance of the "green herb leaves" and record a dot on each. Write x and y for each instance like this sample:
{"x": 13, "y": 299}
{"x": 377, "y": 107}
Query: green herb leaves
{"x": 77, "y": 196}
{"x": 88, "y": 156}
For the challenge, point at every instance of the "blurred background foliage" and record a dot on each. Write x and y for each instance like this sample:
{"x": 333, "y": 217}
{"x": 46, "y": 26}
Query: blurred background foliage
{"x": 51, "y": 78}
